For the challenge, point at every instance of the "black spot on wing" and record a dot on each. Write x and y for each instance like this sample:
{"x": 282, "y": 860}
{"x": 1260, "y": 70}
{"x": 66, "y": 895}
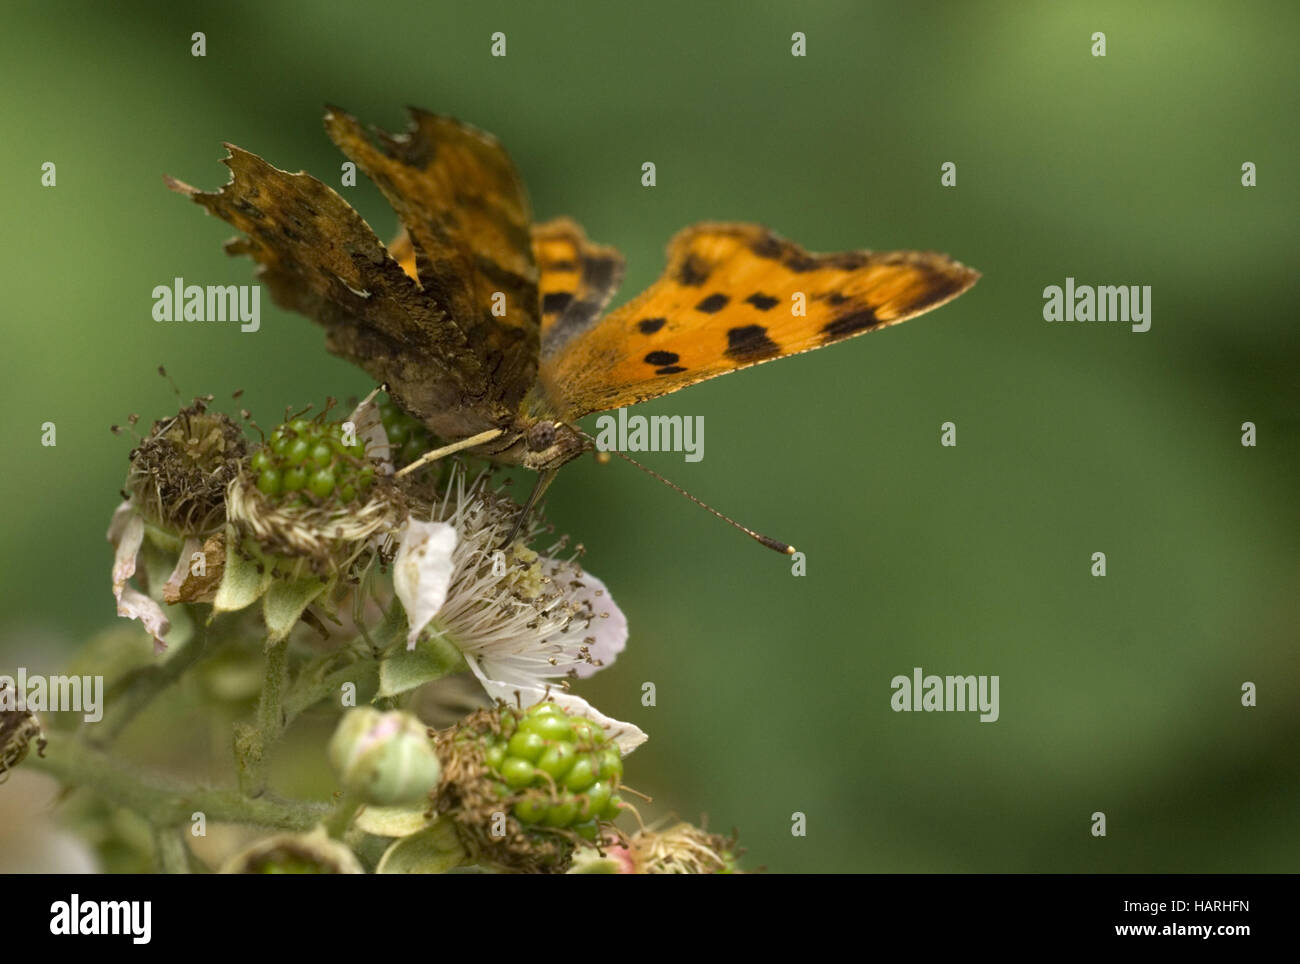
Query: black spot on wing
{"x": 648, "y": 326}
{"x": 669, "y": 370}
{"x": 750, "y": 343}
{"x": 694, "y": 271}
{"x": 794, "y": 259}
{"x": 849, "y": 324}
{"x": 579, "y": 314}
{"x": 661, "y": 358}
{"x": 556, "y": 301}
{"x": 713, "y": 303}
{"x": 602, "y": 274}
{"x": 767, "y": 247}
{"x": 761, "y": 301}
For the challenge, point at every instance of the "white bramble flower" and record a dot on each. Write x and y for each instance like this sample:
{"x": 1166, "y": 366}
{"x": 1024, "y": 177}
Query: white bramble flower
{"x": 525, "y": 623}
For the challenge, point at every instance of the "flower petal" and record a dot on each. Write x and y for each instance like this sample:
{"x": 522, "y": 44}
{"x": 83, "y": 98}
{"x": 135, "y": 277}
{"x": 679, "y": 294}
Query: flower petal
{"x": 121, "y": 515}
{"x": 422, "y": 572}
{"x": 136, "y": 605}
{"x": 130, "y": 536}
{"x": 126, "y": 532}
{"x": 370, "y": 429}
{"x": 606, "y": 635}
{"x": 628, "y": 736}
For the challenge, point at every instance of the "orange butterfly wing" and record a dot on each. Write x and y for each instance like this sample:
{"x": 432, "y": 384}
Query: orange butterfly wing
{"x": 577, "y": 280}
{"x": 726, "y": 301}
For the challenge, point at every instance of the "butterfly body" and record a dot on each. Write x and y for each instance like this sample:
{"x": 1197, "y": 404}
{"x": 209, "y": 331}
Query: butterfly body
{"x": 481, "y": 321}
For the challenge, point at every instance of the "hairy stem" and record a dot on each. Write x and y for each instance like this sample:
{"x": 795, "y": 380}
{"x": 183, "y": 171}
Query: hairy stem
{"x": 170, "y": 852}
{"x": 164, "y": 803}
{"x": 252, "y": 743}
{"x": 340, "y": 818}
{"x": 146, "y": 683}
{"x": 306, "y": 693}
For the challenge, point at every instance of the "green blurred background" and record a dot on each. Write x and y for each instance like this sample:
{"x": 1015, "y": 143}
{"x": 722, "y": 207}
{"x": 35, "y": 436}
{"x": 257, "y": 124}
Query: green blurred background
{"x": 1119, "y": 694}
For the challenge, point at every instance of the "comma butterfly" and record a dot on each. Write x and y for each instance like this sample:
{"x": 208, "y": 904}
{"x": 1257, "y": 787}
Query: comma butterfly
{"x": 491, "y": 328}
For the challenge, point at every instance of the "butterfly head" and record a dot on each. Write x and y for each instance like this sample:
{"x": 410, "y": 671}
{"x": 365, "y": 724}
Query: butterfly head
{"x": 546, "y": 444}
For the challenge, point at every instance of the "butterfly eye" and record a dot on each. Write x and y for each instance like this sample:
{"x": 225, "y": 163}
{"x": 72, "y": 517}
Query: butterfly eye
{"x": 541, "y": 436}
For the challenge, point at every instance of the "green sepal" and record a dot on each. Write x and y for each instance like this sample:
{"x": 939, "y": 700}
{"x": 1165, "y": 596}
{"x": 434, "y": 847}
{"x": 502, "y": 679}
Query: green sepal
{"x": 434, "y": 657}
{"x": 434, "y": 850}
{"x": 284, "y": 602}
{"x": 241, "y": 582}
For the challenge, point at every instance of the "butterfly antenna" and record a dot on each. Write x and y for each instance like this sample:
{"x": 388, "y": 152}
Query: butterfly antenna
{"x": 775, "y": 544}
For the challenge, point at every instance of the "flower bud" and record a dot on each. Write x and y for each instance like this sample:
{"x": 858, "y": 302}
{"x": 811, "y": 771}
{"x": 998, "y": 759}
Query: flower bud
{"x": 384, "y": 758}
{"x": 295, "y": 853}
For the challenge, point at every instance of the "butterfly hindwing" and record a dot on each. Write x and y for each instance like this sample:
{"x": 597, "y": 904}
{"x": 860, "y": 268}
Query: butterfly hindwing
{"x": 577, "y": 280}
{"x": 731, "y": 297}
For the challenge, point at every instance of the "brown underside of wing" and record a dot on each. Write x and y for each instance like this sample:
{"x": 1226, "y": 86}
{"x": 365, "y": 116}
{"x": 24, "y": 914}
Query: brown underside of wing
{"x": 467, "y": 219}
{"x": 318, "y": 257}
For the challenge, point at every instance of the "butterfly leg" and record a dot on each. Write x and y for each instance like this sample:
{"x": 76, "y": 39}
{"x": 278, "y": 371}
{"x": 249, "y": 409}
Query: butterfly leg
{"x": 467, "y": 443}
{"x": 544, "y": 480}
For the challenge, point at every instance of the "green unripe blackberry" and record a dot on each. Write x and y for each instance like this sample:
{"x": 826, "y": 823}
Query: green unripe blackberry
{"x": 554, "y": 765}
{"x": 309, "y": 462}
{"x": 406, "y": 434}
{"x": 553, "y": 774}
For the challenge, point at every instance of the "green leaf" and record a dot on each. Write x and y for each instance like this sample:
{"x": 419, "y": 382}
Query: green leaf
{"x": 284, "y": 602}
{"x": 433, "y": 658}
{"x": 241, "y": 582}
{"x": 434, "y": 850}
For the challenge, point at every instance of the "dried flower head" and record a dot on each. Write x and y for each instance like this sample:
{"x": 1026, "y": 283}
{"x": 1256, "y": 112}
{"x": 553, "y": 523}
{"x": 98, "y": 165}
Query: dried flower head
{"x": 19, "y": 728}
{"x": 683, "y": 849}
{"x": 179, "y": 473}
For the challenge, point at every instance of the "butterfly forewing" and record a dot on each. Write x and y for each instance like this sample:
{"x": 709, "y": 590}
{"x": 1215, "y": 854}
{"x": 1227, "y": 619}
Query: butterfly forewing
{"x": 736, "y": 295}
{"x": 317, "y": 256}
{"x": 467, "y": 224}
